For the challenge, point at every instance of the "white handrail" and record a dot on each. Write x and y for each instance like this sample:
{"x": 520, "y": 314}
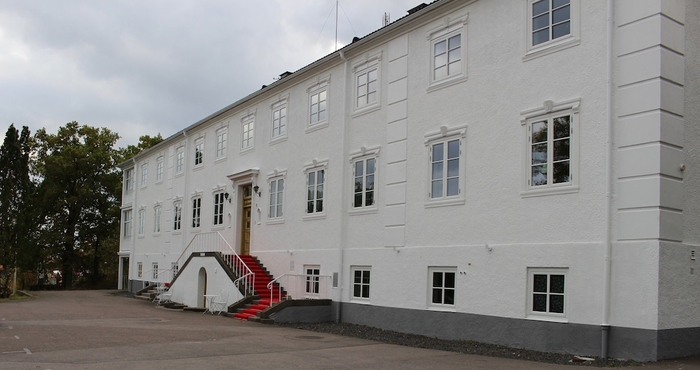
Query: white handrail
{"x": 249, "y": 280}
{"x": 303, "y": 286}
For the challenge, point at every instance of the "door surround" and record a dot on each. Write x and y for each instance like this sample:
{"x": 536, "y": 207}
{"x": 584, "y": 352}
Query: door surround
{"x": 240, "y": 181}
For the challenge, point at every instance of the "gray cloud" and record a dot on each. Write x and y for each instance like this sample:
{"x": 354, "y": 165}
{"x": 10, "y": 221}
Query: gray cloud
{"x": 148, "y": 67}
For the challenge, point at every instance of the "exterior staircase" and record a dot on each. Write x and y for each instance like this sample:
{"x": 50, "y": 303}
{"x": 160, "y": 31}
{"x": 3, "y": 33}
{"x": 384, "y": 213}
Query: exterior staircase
{"x": 266, "y": 296}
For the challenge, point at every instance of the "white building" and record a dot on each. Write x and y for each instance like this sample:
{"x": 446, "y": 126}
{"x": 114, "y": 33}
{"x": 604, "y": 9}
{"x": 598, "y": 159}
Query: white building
{"x": 515, "y": 172}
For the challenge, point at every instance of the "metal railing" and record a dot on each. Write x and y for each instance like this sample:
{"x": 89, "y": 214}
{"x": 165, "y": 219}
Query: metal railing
{"x": 215, "y": 242}
{"x": 302, "y": 286}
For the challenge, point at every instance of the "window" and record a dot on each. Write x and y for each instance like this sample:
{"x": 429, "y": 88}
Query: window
{"x": 444, "y": 165}
{"x": 364, "y": 183}
{"x": 247, "y": 134}
{"x": 552, "y": 25}
{"x": 442, "y": 286}
{"x": 279, "y": 121}
{"x": 177, "y": 215}
{"x": 317, "y": 109}
{"x": 276, "y": 198}
{"x": 175, "y": 268}
{"x": 551, "y": 19}
{"x": 196, "y": 211}
{"x": 155, "y": 270}
{"x": 126, "y": 220}
{"x": 367, "y": 86}
{"x": 447, "y": 57}
{"x": 546, "y": 292}
{"x": 360, "y": 282}
{"x": 129, "y": 181}
{"x": 314, "y": 183}
{"x": 448, "y": 52}
{"x": 159, "y": 169}
{"x": 312, "y": 279}
{"x": 551, "y": 149}
{"x": 142, "y": 220}
{"x": 180, "y": 161}
{"x": 221, "y": 143}
{"x": 199, "y": 151}
{"x": 139, "y": 269}
{"x": 219, "y": 208}
{"x": 144, "y": 174}
{"x": 156, "y": 218}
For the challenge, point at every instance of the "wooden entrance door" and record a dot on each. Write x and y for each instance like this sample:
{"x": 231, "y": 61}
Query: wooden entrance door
{"x": 246, "y": 220}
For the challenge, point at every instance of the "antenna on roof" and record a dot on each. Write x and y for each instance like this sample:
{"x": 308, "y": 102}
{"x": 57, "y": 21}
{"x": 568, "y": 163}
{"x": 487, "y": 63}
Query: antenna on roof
{"x": 385, "y": 20}
{"x": 336, "y": 25}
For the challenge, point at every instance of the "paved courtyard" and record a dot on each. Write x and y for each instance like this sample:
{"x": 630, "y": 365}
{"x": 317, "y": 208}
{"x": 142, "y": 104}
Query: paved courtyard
{"x": 96, "y": 330}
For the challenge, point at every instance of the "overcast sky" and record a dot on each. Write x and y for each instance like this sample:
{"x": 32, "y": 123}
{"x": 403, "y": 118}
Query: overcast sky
{"x": 154, "y": 66}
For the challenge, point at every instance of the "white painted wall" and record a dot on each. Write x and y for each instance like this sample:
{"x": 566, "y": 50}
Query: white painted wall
{"x": 184, "y": 290}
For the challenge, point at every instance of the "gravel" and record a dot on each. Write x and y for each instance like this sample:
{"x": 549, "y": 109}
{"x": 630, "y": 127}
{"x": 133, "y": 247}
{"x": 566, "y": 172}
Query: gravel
{"x": 461, "y": 346}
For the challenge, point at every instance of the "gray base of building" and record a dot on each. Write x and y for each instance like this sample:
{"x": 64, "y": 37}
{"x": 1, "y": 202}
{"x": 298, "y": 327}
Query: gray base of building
{"x": 578, "y": 339}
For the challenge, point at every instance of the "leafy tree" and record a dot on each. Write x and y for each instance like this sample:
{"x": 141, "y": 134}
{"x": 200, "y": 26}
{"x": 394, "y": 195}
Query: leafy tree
{"x": 16, "y": 212}
{"x": 145, "y": 142}
{"x": 79, "y": 197}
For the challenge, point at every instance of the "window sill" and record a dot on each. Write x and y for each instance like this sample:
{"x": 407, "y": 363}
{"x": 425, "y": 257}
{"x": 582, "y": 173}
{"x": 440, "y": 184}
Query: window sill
{"x": 159, "y": 182}
{"x": 314, "y": 216}
{"x": 556, "y": 319}
{"x": 278, "y": 139}
{"x": 141, "y": 236}
{"x": 198, "y": 167}
{"x": 317, "y": 126}
{"x": 551, "y": 47}
{"x": 177, "y": 232}
{"x": 155, "y": 235}
{"x": 217, "y": 227}
{"x": 444, "y": 202}
{"x": 438, "y": 85}
{"x": 247, "y": 150}
{"x": 363, "y": 211}
{"x": 220, "y": 159}
{"x": 274, "y": 221}
{"x": 366, "y": 109}
{"x": 565, "y": 189}
{"x": 443, "y": 308}
{"x": 179, "y": 174}
{"x": 359, "y": 300}
{"x": 195, "y": 230}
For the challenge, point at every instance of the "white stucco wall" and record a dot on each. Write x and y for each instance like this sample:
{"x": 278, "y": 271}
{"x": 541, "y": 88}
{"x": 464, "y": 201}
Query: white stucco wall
{"x": 185, "y": 288}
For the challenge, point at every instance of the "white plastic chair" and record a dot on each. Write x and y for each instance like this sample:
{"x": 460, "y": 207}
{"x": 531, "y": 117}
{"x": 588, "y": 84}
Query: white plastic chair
{"x": 219, "y": 304}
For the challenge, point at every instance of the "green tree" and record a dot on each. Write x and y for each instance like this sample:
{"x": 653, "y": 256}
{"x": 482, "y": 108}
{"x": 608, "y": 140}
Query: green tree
{"x": 16, "y": 190}
{"x": 145, "y": 142}
{"x": 79, "y": 197}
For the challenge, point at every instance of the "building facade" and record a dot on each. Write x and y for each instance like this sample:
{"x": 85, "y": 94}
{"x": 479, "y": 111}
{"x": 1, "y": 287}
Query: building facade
{"x": 521, "y": 173}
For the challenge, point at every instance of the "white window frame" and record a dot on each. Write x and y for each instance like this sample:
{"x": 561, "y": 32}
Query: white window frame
{"x": 364, "y": 286}
{"x": 174, "y": 268}
{"x": 159, "y": 169}
{"x": 144, "y": 175}
{"x": 363, "y": 155}
{"x": 312, "y": 282}
{"x": 363, "y": 68}
{"x": 548, "y": 112}
{"x": 314, "y": 121}
{"x": 142, "y": 220}
{"x": 221, "y": 142}
{"x": 196, "y": 212}
{"x": 177, "y": 215}
{"x": 452, "y": 27}
{"x": 127, "y": 219}
{"x": 154, "y": 270}
{"x": 219, "y": 209}
{"x": 128, "y": 181}
{"x": 180, "y": 160}
{"x": 314, "y": 167}
{"x": 199, "y": 152}
{"x": 445, "y": 136}
{"x": 279, "y": 119}
{"x": 442, "y": 287}
{"x": 551, "y": 46}
{"x": 139, "y": 269}
{"x": 546, "y": 315}
{"x": 273, "y": 181}
{"x": 157, "y": 212}
{"x": 247, "y": 139}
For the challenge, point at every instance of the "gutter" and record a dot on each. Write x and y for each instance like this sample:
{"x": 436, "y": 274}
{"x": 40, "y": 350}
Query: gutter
{"x": 605, "y": 322}
{"x": 344, "y": 204}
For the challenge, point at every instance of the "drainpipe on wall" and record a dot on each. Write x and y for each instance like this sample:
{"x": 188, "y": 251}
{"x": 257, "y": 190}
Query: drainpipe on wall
{"x": 185, "y": 201}
{"x": 605, "y": 324}
{"x": 343, "y": 208}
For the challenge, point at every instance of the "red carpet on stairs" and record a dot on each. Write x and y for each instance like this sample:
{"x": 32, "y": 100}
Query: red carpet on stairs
{"x": 262, "y": 278}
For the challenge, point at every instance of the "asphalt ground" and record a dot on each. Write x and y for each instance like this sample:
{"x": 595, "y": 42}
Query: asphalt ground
{"x": 98, "y": 330}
